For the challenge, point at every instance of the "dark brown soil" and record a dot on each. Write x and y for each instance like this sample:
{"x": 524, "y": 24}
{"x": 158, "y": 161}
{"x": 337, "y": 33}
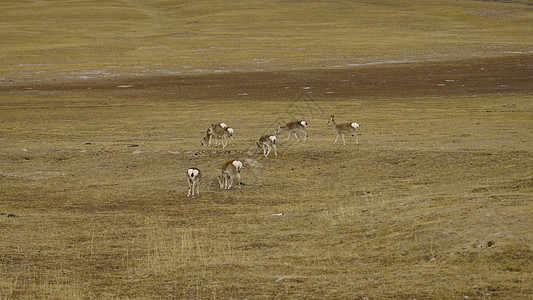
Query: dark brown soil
{"x": 509, "y": 74}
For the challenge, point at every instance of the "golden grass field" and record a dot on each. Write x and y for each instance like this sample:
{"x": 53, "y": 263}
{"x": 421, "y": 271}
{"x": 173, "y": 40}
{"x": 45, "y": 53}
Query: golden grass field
{"x": 103, "y": 105}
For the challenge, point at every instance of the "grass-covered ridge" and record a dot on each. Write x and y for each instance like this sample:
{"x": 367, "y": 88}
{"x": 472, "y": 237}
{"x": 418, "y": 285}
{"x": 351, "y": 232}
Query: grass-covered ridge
{"x": 88, "y": 38}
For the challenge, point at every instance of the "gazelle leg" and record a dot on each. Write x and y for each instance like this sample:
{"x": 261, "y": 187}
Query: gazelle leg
{"x": 304, "y": 138}
{"x": 230, "y": 182}
{"x": 197, "y": 189}
{"x": 268, "y": 152}
{"x": 336, "y": 139}
{"x": 224, "y": 144}
{"x": 189, "y": 193}
{"x": 226, "y": 181}
{"x": 238, "y": 175}
{"x": 275, "y": 150}
{"x": 288, "y": 137}
{"x": 343, "y": 141}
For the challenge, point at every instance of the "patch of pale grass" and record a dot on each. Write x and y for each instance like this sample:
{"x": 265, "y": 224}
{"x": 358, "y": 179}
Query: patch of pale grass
{"x": 159, "y": 37}
{"x": 173, "y": 249}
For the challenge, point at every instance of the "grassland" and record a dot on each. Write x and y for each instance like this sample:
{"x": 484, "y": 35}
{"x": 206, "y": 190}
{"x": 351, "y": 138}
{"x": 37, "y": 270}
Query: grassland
{"x": 103, "y": 106}
{"x": 45, "y": 40}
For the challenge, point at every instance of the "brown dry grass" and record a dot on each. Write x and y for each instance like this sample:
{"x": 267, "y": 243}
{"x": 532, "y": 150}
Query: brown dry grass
{"x": 435, "y": 202}
{"x": 76, "y": 39}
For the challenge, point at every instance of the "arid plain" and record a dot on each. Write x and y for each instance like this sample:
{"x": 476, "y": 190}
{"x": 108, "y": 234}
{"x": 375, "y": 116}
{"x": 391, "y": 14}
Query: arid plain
{"x": 103, "y": 105}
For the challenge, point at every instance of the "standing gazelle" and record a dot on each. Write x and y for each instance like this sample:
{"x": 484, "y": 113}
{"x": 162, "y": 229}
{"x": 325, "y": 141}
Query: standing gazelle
{"x": 219, "y": 127}
{"x": 193, "y": 179}
{"x": 230, "y": 170}
{"x": 221, "y": 135}
{"x": 268, "y": 143}
{"x": 343, "y": 128}
{"x": 292, "y": 128}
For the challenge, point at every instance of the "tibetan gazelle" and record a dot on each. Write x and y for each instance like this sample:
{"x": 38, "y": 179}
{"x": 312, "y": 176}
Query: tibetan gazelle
{"x": 211, "y": 133}
{"x": 230, "y": 170}
{"x": 193, "y": 179}
{"x": 268, "y": 143}
{"x": 292, "y": 128}
{"x": 343, "y": 128}
{"x": 221, "y": 135}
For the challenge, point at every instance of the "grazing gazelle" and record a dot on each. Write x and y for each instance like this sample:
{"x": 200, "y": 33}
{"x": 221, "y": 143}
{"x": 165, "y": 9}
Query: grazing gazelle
{"x": 221, "y": 135}
{"x": 207, "y": 138}
{"x": 193, "y": 179}
{"x": 230, "y": 170}
{"x": 209, "y": 135}
{"x": 268, "y": 143}
{"x": 343, "y": 128}
{"x": 292, "y": 127}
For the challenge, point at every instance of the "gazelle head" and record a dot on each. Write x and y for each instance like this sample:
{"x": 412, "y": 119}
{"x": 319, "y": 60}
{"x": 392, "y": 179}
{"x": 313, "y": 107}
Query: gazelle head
{"x": 273, "y": 139}
{"x": 304, "y": 123}
{"x": 208, "y": 135}
{"x": 278, "y": 130}
{"x": 331, "y": 121}
{"x": 230, "y": 130}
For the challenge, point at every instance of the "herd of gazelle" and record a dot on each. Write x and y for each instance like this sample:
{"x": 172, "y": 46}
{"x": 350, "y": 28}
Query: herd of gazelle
{"x": 231, "y": 170}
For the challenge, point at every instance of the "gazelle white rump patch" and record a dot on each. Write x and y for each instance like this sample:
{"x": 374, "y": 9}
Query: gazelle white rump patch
{"x": 237, "y": 164}
{"x": 193, "y": 173}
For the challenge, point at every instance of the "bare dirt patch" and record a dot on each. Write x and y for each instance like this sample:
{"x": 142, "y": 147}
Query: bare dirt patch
{"x": 506, "y": 74}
